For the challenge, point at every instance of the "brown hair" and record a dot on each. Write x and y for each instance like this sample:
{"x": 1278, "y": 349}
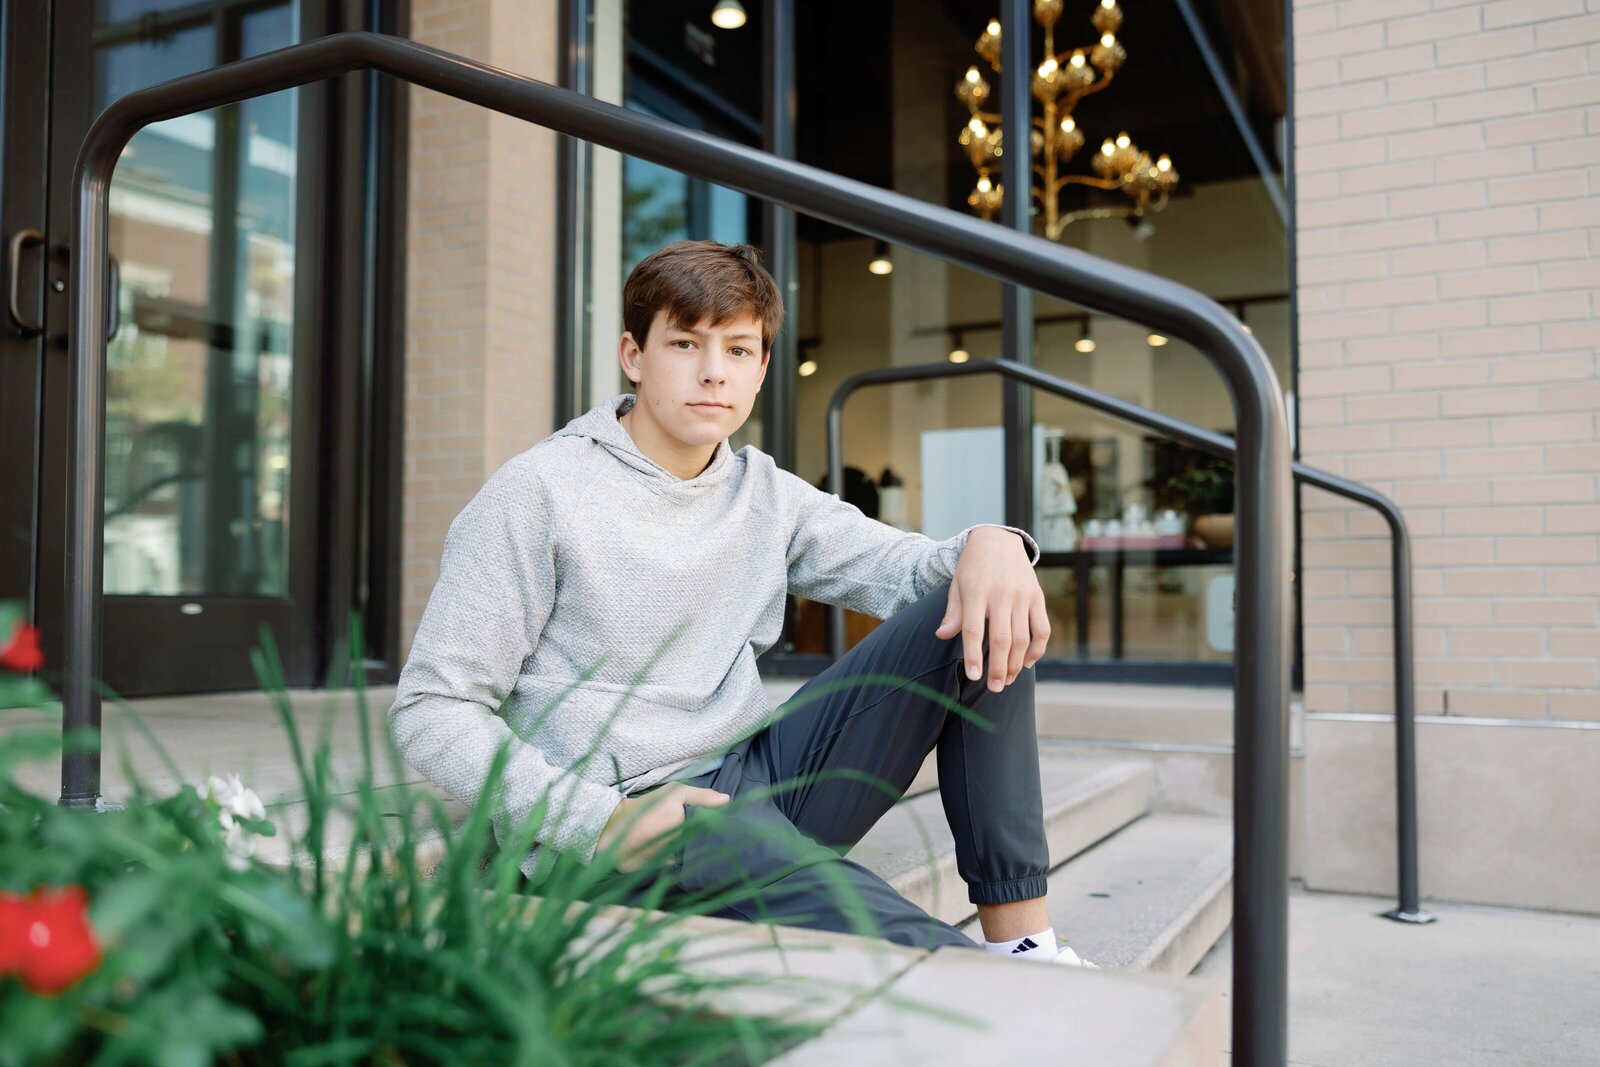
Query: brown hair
{"x": 694, "y": 280}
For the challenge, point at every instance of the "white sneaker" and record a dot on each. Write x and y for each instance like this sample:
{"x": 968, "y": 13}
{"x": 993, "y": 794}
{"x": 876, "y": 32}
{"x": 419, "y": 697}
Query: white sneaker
{"x": 1072, "y": 959}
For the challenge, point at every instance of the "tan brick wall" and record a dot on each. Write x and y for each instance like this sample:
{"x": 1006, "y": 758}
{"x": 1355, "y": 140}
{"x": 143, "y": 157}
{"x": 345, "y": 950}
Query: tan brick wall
{"x": 1448, "y": 171}
{"x": 480, "y": 281}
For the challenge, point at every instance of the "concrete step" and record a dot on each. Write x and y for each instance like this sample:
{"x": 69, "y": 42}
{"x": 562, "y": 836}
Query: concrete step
{"x": 1155, "y": 897}
{"x": 912, "y": 849}
{"x": 1198, "y": 780}
{"x": 882, "y": 1003}
{"x": 957, "y": 1007}
{"x": 1145, "y": 714}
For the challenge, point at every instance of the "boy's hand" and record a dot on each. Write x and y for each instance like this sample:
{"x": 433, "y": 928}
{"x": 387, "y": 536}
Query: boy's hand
{"x": 660, "y": 812}
{"x": 995, "y": 583}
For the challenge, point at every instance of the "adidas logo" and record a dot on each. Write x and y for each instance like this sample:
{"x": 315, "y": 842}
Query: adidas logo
{"x": 1026, "y": 944}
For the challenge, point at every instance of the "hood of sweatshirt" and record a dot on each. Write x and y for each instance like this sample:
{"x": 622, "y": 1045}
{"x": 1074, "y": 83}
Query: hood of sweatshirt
{"x": 600, "y": 425}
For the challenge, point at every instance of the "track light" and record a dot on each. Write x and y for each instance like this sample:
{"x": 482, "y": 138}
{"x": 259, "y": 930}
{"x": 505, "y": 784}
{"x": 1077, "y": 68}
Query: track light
{"x": 959, "y": 353}
{"x": 1084, "y": 343}
{"x": 881, "y": 263}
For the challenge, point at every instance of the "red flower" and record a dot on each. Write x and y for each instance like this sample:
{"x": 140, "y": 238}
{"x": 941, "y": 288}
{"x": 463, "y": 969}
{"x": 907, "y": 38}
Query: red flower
{"x": 21, "y": 652}
{"x": 46, "y": 938}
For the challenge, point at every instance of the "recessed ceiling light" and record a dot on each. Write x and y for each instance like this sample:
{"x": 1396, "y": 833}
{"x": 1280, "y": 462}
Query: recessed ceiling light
{"x": 728, "y": 15}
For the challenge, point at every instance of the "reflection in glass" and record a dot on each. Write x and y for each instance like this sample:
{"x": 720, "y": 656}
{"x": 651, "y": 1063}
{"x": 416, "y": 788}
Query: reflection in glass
{"x": 661, "y": 205}
{"x": 199, "y": 375}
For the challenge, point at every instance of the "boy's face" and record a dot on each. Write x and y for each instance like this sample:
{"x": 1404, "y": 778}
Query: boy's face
{"x": 697, "y": 385}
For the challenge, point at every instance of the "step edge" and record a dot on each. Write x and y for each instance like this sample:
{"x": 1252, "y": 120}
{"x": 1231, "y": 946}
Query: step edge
{"x": 1160, "y": 956}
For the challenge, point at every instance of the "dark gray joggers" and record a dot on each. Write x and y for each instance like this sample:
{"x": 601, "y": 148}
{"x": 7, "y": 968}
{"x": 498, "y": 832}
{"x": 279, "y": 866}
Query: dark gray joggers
{"x": 778, "y": 846}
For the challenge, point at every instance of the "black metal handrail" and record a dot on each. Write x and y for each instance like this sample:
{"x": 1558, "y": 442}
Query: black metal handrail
{"x": 1407, "y": 907}
{"x": 1260, "y": 957}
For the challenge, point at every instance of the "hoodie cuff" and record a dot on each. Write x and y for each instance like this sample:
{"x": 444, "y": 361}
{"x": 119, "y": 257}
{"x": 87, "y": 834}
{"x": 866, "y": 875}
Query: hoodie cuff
{"x": 1027, "y": 539}
{"x": 575, "y": 816}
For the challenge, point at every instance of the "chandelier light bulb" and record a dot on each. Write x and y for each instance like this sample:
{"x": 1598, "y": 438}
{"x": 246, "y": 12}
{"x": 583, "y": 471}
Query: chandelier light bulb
{"x": 807, "y": 369}
{"x": 1108, "y": 39}
{"x": 728, "y": 15}
{"x": 1123, "y": 141}
{"x": 972, "y": 75}
{"x": 1077, "y": 59}
{"x": 993, "y": 29}
{"x": 1155, "y": 340}
{"x": 984, "y": 184}
{"x": 1048, "y": 67}
{"x": 1084, "y": 345}
{"x": 959, "y": 355}
{"x": 977, "y": 127}
{"x": 1108, "y": 148}
{"x": 1068, "y": 124}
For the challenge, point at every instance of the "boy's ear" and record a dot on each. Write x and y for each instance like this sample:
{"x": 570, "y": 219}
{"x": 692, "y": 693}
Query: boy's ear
{"x": 628, "y": 352}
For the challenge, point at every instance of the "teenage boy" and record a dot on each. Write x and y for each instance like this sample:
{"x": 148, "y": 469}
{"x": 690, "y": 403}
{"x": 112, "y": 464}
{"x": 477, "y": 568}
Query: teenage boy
{"x": 615, "y": 583}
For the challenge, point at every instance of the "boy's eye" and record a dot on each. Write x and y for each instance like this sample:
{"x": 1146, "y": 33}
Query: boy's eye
{"x": 684, "y": 345}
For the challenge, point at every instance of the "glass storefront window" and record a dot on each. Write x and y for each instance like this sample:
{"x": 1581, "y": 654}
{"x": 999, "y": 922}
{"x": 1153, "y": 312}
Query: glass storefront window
{"x": 199, "y": 375}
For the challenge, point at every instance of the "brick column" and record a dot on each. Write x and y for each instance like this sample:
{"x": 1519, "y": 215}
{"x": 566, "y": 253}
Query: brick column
{"x": 480, "y": 287}
{"x": 1448, "y": 169}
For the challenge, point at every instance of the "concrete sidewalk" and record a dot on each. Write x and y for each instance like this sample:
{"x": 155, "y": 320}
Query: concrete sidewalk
{"x": 1480, "y": 986}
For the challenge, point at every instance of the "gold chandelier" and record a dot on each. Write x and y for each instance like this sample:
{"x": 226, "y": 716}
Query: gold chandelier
{"x": 1059, "y": 82}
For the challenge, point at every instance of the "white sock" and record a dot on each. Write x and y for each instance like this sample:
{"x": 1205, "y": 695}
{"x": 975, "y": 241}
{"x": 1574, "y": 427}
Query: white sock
{"x": 1040, "y": 946}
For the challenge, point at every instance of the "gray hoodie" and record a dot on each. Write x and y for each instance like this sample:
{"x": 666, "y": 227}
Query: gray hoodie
{"x": 589, "y": 597}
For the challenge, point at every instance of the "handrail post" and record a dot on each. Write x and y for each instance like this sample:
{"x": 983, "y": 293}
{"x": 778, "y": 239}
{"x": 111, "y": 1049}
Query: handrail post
{"x": 1408, "y": 909}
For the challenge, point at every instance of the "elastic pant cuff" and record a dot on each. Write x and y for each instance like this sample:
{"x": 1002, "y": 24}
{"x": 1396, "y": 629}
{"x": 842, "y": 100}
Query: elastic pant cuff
{"x": 1030, "y": 888}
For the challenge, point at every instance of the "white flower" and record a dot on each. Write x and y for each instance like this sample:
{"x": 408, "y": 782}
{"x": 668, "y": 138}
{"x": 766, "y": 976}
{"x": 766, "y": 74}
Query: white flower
{"x": 233, "y": 797}
{"x": 235, "y": 802}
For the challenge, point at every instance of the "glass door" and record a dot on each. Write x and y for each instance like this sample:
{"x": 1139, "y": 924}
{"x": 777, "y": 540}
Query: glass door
{"x": 210, "y": 490}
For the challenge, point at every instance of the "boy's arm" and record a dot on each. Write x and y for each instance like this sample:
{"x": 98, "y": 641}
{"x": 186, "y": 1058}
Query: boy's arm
{"x": 840, "y": 556}
{"x": 494, "y": 594}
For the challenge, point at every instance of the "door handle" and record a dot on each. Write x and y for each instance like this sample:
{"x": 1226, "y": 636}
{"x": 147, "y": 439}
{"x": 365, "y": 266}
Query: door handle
{"x": 20, "y": 240}
{"x": 114, "y": 294}
{"x": 113, "y": 291}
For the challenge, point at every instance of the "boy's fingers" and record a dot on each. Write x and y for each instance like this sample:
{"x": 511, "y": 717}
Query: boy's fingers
{"x": 951, "y": 624}
{"x": 1039, "y": 625}
{"x": 1000, "y": 639}
{"x": 972, "y": 640}
{"x": 1019, "y": 648}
